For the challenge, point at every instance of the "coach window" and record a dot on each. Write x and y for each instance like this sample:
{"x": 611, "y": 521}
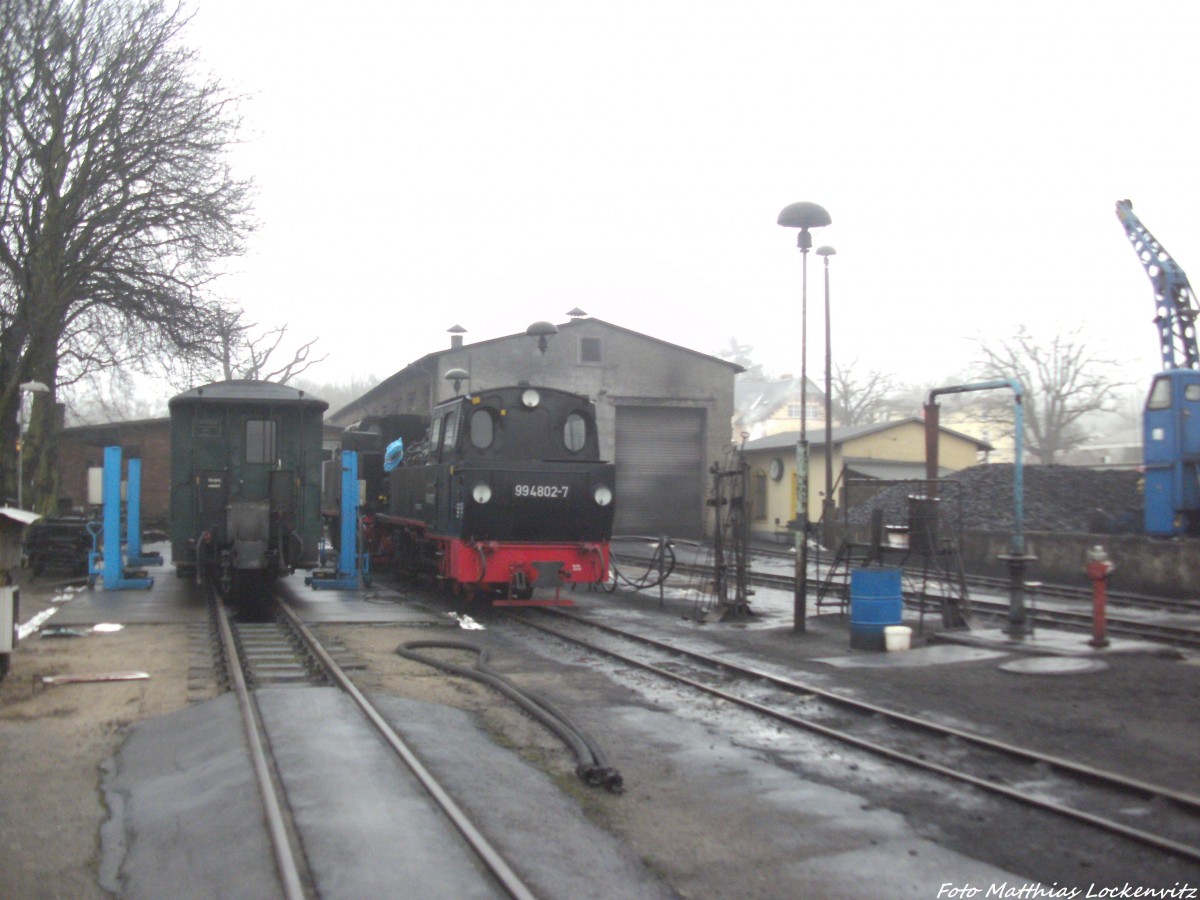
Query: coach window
{"x": 575, "y": 432}
{"x": 483, "y": 429}
{"x": 260, "y": 441}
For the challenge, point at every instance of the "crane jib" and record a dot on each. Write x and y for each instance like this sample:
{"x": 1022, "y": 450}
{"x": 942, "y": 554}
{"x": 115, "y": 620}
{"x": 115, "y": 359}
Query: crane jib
{"x": 1173, "y": 297}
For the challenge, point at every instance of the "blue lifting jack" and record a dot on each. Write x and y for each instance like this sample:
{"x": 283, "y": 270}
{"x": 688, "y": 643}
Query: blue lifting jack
{"x": 353, "y": 568}
{"x": 108, "y": 562}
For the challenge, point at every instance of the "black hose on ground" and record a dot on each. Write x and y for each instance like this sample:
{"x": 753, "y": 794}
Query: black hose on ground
{"x": 592, "y": 765}
{"x": 652, "y": 577}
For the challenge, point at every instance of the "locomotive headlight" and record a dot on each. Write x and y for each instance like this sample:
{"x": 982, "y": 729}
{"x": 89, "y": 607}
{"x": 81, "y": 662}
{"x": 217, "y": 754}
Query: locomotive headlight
{"x": 602, "y": 495}
{"x": 481, "y": 493}
{"x": 531, "y": 398}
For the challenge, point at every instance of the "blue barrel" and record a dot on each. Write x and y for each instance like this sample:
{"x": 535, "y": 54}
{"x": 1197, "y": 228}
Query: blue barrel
{"x": 876, "y": 601}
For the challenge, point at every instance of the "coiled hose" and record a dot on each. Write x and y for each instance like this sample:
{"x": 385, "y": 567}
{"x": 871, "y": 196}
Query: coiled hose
{"x": 651, "y": 578}
{"x": 592, "y": 766}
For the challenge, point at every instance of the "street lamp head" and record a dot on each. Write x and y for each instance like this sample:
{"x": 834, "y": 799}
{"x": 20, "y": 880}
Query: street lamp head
{"x": 542, "y": 332}
{"x": 827, "y": 252}
{"x": 458, "y": 376}
{"x": 804, "y": 216}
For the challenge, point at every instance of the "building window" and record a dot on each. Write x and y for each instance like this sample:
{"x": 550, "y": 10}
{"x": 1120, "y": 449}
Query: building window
{"x": 758, "y": 504}
{"x": 591, "y": 351}
{"x": 260, "y": 441}
{"x": 794, "y": 410}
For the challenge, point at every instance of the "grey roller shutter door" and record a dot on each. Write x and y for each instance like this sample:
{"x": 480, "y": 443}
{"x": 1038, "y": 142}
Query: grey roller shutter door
{"x": 660, "y": 471}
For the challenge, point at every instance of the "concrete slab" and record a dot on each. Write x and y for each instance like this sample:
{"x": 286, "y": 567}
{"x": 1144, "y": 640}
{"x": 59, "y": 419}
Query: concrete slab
{"x": 373, "y": 605}
{"x": 922, "y": 656}
{"x": 169, "y": 601}
{"x": 1050, "y": 641}
{"x": 185, "y": 816}
{"x": 1053, "y": 665}
{"x": 369, "y": 827}
{"x": 186, "y": 819}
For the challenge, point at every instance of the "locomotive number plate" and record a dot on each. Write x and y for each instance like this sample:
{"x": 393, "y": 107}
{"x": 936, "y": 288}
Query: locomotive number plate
{"x": 542, "y": 491}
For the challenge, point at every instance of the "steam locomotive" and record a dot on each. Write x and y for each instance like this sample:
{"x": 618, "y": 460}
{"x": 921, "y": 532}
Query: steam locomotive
{"x": 504, "y": 493}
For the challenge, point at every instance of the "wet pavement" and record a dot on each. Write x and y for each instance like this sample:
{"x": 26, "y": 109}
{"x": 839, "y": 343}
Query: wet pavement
{"x": 180, "y": 782}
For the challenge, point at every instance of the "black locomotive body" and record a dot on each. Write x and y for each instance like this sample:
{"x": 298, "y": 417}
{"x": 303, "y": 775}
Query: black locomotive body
{"x": 507, "y": 493}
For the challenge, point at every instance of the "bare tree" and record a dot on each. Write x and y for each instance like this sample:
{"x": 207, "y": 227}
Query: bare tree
{"x": 115, "y": 199}
{"x": 240, "y": 350}
{"x": 740, "y": 354}
{"x": 1063, "y": 381}
{"x": 862, "y": 398}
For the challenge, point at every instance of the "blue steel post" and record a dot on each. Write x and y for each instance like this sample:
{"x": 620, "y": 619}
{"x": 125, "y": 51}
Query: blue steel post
{"x": 351, "y": 567}
{"x": 113, "y": 571}
{"x": 349, "y": 548}
{"x": 133, "y": 520}
{"x": 112, "y": 515}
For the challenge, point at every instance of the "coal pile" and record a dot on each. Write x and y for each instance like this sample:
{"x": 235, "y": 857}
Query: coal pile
{"x": 1056, "y": 498}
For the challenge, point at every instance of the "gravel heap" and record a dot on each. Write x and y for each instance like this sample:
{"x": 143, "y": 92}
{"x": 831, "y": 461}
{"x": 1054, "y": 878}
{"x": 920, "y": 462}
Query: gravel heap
{"x": 1056, "y": 498}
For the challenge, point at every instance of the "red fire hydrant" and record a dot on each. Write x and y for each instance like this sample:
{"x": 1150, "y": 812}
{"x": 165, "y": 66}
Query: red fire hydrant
{"x": 1098, "y": 568}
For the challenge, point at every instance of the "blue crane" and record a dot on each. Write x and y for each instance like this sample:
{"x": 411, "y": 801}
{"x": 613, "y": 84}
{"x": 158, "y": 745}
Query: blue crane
{"x": 1171, "y": 422}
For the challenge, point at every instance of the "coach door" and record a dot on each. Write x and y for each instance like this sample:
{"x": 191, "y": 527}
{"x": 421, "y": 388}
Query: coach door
{"x": 213, "y": 497}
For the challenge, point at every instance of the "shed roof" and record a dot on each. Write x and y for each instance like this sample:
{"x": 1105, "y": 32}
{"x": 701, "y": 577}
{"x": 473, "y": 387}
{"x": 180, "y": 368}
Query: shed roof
{"x": 890, "y": 470}
{"x": 842, "y": 435}
{"x": 428, "y": 363}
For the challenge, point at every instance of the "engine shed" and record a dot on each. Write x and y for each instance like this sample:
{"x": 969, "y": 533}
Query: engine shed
{"x": 663, "y": 410}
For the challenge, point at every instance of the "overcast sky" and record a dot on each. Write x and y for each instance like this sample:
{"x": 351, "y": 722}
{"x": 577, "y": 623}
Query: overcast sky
{"x": 492, "y": 163}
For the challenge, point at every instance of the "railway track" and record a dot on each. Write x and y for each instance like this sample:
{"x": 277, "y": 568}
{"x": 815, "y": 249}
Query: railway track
{"x": 285, "y": 653}
{"x": 1125, "y": 612}
{"x": 1153, "y": 816}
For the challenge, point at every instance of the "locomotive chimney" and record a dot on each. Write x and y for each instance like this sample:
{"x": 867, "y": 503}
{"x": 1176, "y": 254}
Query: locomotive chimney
{"x": 456, "y": 339}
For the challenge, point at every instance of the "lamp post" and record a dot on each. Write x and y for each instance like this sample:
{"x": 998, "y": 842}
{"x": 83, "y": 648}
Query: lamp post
{"x": 29, "y": 387}
{"x": 803, "y": 216}
{"x": 827, "y": 506}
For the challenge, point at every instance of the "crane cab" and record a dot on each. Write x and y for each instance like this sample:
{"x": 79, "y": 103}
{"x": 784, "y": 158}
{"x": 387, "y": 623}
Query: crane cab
{"x": 1171, "y": 441}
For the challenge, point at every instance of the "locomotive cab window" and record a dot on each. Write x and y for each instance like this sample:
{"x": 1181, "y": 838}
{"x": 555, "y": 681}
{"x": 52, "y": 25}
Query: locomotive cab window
{"x": 260, "y": 441}
{"x": 450, "y": 431}
{"x": 575, "y": 432}
{"x": 435, "y": 435}
{"x": 482, "y": 428}
{"x": 1160, "y": 394}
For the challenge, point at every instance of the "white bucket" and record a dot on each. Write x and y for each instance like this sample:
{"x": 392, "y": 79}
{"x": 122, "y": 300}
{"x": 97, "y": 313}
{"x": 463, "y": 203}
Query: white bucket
{"x": 897, "y": 637}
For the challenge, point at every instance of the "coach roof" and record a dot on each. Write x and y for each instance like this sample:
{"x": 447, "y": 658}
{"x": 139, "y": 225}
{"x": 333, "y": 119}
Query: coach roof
{"x": 248, "y": 392}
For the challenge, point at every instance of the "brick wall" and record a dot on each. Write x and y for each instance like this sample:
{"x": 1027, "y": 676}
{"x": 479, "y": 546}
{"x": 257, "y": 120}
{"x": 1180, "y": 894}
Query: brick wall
{"x": 82, "y": 448}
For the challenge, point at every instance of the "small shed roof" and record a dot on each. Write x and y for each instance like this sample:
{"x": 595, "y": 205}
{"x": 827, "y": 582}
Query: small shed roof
{"x": 20, "y": 516}
{"x": 816, "y": 436}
